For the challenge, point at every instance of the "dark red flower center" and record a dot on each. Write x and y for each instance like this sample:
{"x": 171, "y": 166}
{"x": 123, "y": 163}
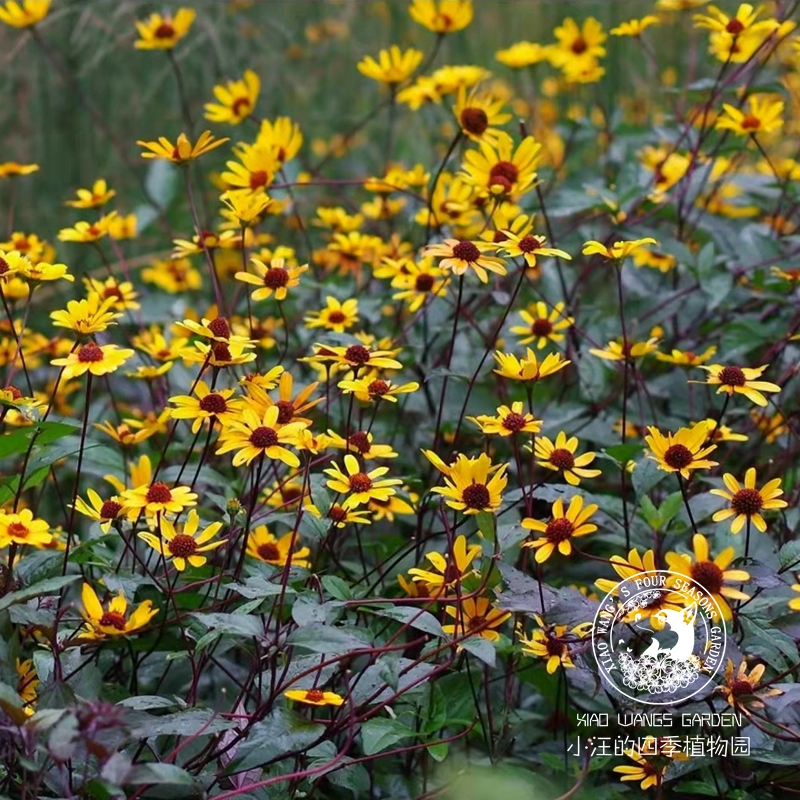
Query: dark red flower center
{"x": 17, "y": 529}
{"x": 359, "y": 441}
{"x": 735, "y": 26}
{"x": 276, "y": 277}
{"x": 221, "y": 352}
{"x": 15, "y": 393}
{"x": 476, "y": 622}
{"x": 214, "y": 403}
{"x": 751, "y": 123}
{"x": 159, "y": 493}
{"x": 476, "y": 496}
{"x": 165, "y": 30}
{"x": 4, "y": 266}
{"x": 113, "y": 619}
{"x": 554, "y": 646}
{"x": 378, "y": 388}
{"x": 360, "y": 482}
{"x": 542, "y": 327}
{"x": 424, "y": 282}
{"x": 285, "y": 411}
{"x": 530, "y": 243}
{"x": 241, "y": 104}
{"x": 269, "y": 551}
{"x": 337, "y": 513}
{"x": 258, "y": 179}
{"x": 558, "y": 530}
{"x": 315, "y": 695}
{"x": 678, "y": 456}
{"x": 466, "y": 251}
{"x": 357, "y": 354}
{"x": 182, "y": 545}
{"x": 499, "y": 237}
{"x": 336, "y": 317}
{"x": 474, "y": 121}
{"x": 110, "y": 509}
{"x": 747, "y": 501}
{"x": 112, "y": 291}
{"x": 264, "y": 437}
{"x": 504, "y": 171}
{"x": 732, "y": 376}
{"x": 579, "y": 46}
{"x": 514, "y": 422}
{"x": 90, "y": 353}
{"x": 708, "y": 575}
{"x": 219, "y": 327}
{"x": 741, "y": 687}
{"x": 561, "y": 458}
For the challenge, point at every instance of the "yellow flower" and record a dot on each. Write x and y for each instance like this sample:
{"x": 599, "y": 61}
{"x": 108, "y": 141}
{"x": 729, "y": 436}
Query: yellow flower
{"x": 216, "y": 406}
{"x": 368, "y": 390}
{"x": 500, "y": 170}
{"x": 473, "y": 485}
{"x": 246, "y": 206}
{"x": 442, "y": 16}
{"x": 340, "y": 516}
{"x": 663, "y": 262}
{"x": 764, "y": 115}
{"x": 255, "y": 172}
{"x": 266, "y": 547}
{"x": 289, "y": 408}
{"x": 13, "y": 169}
{"x": 115, "y": 621}
{"x": 746, "y": 503}
{"x": 92, "y": 358}
{"x": 736, "y": 39}
{"x": 157, "y": 498}
{"x": 86, "y": 316}
{"x": 121, "y": 292}
{"x": 742, "y": 690}
{"x": 282, "y": 138}
{"x": 560, "y": 457}
{"x": 634, "y": 27}
{"x": 314, "y": 697}
{"x": 356, "y": 357}
{"x": 23, "y": 529}
{"x": 159, "y": 32}
{"x": 336, "y": 316}
{"x": 123, "y": 227}
{"x": 237, "y": 99}
{"x": 523, "y": 54}
{"x": 794, "y": 603}
{"x": 542, "y": 325}
{"x": 393, "y": 65}
{"x": 448, "y": 570}
{"x": 711, "y": 575}
{"x": 183, "y": 150}
{"x": 25, "y": 15}
{"x": 86, "y": 232}
{"x": 419, "y": 281}
{"x": 173, "y": 276}
{"x": 682, "y": 451}
{"x": 561, "y": 528}
{"x": 475, "y": 616}
{"x": 360, "y": 487}
{"x": 458, "y": 256}
{"x": 618, "y": 250}
{"x": 789, "y": 275}
{"x": 528, "y": 368}
{"x": 27, "y": 683}
{"x": 12, "y": 262}
{"x": 552, "y": 642}
{"x": 508, "y": 422}
{"x": 679, "y": 5}
{"x": 529, "y": 246}
{"x": 687, "y": 358}
{"x": 478, "y": 114}
{"x": 645, "y": 771}
{"x": 577, "y": 47}
{"x": 98, "y": 195}
{"x": 277, "y": 278}
{"x": 185, "y": 544}
{"x": 617, "y": 351}
{"x": 741, "y": 380}
{"x": 360, "y": 442}
{"x": 253, "y": 436}
{"x": 102, "y": 511}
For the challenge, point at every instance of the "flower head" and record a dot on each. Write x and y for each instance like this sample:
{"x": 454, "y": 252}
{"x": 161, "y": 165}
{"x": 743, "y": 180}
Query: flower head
{"x": 558, "y": 533}
{"x": 183, "y": 150}
{"x": 159, "y": 32}
{"x": 460, "y": 255}
{"x": 474, "y": 616}
{"x": 277, "y": 278}
{"x": 763, "y": 115}
{"x": 360, "y": 487}
{"x": 497, "y": 169}
{"x": 86, "y": 316}
{"x": 618, "y": 250}
{"x": 266, "y": 547}
{"x": 23, "y": 529}
{"x": 442, "y": 16}
{"x": 740, "y": 380}
{"x": 98, "y": 195}
{"x": 448, "y": 570}
{"x": 542, "y": 325}
{"x": 635, "y": 27}
{"x": 528, "y": 368}
{"x": 393, "y": 65}
{"x": 747, "y": 502}
{"x": 742, "y": 690}
{"x": 314, "y": 697}
{"x": 559, "y": 456}
{"x": 479, "y": 115}
{"x": 157, "y": 498}
{"x": 508, "y": 421}
{"x": 472, "y": 485}
{"x": 236, "y": 100}
{"x": 24, "y": 14}
{"x": 185, "y": 544}
{"x": 93, "y": 358}
{"x": 113, "y": 620}
{"x": 682, "y": 451}
{"x": 255, "y": 435}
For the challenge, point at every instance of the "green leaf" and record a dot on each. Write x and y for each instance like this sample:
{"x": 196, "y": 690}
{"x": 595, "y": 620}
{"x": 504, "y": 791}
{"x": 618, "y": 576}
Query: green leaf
{"x": 669, "y": 508}
{"x": 649, "y": 512}
{"x": 622, "y": 453}
{"x": 481, "y": 648}
{"x": 49, "y": 586}
{"x": 326, "y": 639}
{"x": 232, "y": 624}
{"x": 414, "y": 617}
{"x": 380, "y": 734}
{"x": 157, "y": 773}
{"x": 336, "y": 587}
{"x": 17, "y": 442}
{"x": 439, "y": 751}
{"x": 790, "y": 554}
{"x": 192, "y": 722}
{"x": 487, "y": 525}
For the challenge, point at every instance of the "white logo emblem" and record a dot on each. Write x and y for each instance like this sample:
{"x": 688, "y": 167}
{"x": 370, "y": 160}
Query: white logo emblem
{"x": 658, "y": 637}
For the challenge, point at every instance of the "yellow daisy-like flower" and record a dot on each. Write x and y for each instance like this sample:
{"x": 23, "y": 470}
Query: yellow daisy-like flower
{"x": 794, "y": 603}
{"x": 442, "y": 16}
{"x": 236, "y": 99}
{"x": 373, "y": 390}
{"x": 114, "y": 621}
{"x": 764, "y": 115}
{"x": 418, "y": 282}
{"x": 276, "y": 278}
{"x": 98, "y": 195}
{"x": 711, "y": 575}
{"x": 742, "y": 690}
{"x": 741, "y": 380}
{"x": 90, "y": 357}
{"x": 86, "y": 316}
{"x": 12, "y": 262}
{"x": 360, "y": 487}
{"x": 216, "y": 406}
{"x": 474, "y": 616}
{"x": 458, "y": 256}
{"x": 13, "y": 169}
{"x": 314, "y": 697}
{"x": 682, "y": 451}
{"x": 183, "y": 150}
{"x": 282, "y": 138}
{"x": 24, "y": 15}
{"x": 247, "y": 207}
{"x": 543, "y": 325}
{"x": 619, "y": 350}
{"x": 22, "y": 528}
{"x": 157, "y": 498}
{"x": 253, "y": 436}
{"x": 618, "y": 250}
{"x": 123, "y": 227}
{"x": 687, "y": 358}
{"x": 577, "y": 45}
{"x": 473, "y": 485}
{"x": 635, "y": 27}
{"x": 508, "y": 421}
{"x": 559, "y": 532}
{"x": 499, "y": 170}
{"x": 336, "y": 316}
{"x": 560, "y": 457}
{"x": 528, "y": 246}
{"x": 450, "y": 569}
{"x": 88, "y": 232}
{"x": 552, "y": 642}
{"x": 360, "y": 442}
{"x": 159, "y": 32}
{"x": 184, "y": 545}
{"x": 523, "y": 54}
{"x": 479, "y": 113}
{"x": 103, "y": 511}
{"x": 645, "y": 771}
{"x": 356, "y": 357}
{"x": 121, "y": 292}
{"x": 528, "y": 368}
{"x": 27, "y": 684}
{"x": 266, "y": 547}
{"x": 747, "y": 502}
{"x": 393, "y": 65}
